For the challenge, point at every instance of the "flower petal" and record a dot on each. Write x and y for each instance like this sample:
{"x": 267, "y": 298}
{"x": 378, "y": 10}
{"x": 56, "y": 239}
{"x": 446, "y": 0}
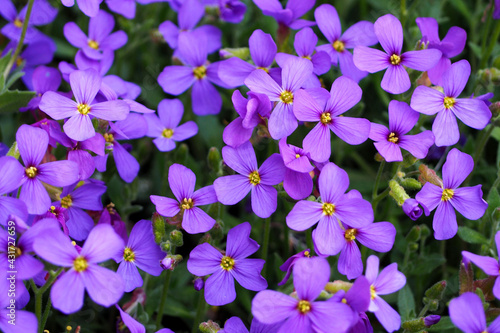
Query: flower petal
{"x": 264, "y": 200}
{"x": 239, "y": 244}
{"x": 466, "y": 312}
{"x": 205, "y": 98}
{"x": 272, "y": 171}
{"x": 333, "y": 182}
{"x": 58, "y": 173}
{"x": 429, "y": 197}
{"x": 262, "y": 48}
{"x": 427, "y": 100}
{"x": 350, "y": 263}
{"x": 176, "y": 79}
{"x": 445, "y": 128}
{"x": 354, "y": 131}
{"x": 310, "y": 276}
{"x": 370, "y": 60}
{"x": 282, "y": 121}
{"x": 219, "y": 288}
{"x": 457, "y": 167}
{"x": 421, "y": 60}
{"x": 270, "y": 306}
{"x": 204, "y": 259}
{"x": 102, "y": 244}
{"x": 130, "y": 275}
{"x": 389, "y": 32}
{"x": 377, "y": 236}
{"x": 67, "y": 292}
{"x": 104, "y": 286}
{"x": 489, "y": 265}
{"x": 445, "y": 221}
{"x": 317, "y": 143}
{"x": 389, "y": 280}
{"x": 472, "y": 112}
{"x": 328, "y": 237}
{"x": 35, "y": 196}
{"x": 469, "y": 202}
{"x": 232, "y": 189}
{"x": 387, "y": 316}
{"x": 85, "y": 84}
{"x": 79, "y": 127}
{"x": 247, "y": 273}
{"x": 32, "y": 143}
{"x": 455, "y": 78}
{"x": 396, "y": 80}
{"x": 110, "y": 110}
{"x": 182, "y": 181}
{"x": 328, "y": 22}
{"x": 241, "y": 159}
{"x": 196, "y": 221}
{"x": 304, "y": 215}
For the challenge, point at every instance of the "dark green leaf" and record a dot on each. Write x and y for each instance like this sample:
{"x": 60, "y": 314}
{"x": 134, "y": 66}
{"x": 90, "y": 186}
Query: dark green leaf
{"x": 406, "y": 303}
{"x": 12, "y": 100}
{"x": 471, "y": 236}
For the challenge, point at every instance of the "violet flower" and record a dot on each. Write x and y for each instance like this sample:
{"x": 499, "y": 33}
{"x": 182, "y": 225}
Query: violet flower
{"x": 490, "y": 266}
{"x": 182, "y": 182}
{"x": 304, "y": 314}
{"x": 43, "y": 79}
{"x": 467, "y": 200}
{"x": 290, "y": 262}
{"x": 451, "y": 45}
{"x": 165, "y": 127}
{"x": 335, "y": 206}
{"x": 25, "y": 321}
{"x": 11, "y": 177}
{"x": 232, "y": 11}
{"x": 141, "y": 252}
{"x": 235, "y": 325}
{"x": 134, "y": 326}
{"x": 326, "y": 108}
{"x": 298, "y": 181}
{"x": 78, "y": 152}
{"x": 389, "y": 142}
{"x": 105, "y": 287}
{"x": 472, "y": 112}
{"x": 290, "y": 16}
{"x": 88, "y": 7}
{"x": 282, "y": 121}
{"x": 127, "y": 8}
{"x": 250, "y": 178}
{"x": 396, "y": 80}
{"x": 467, "y": 313}
{"x": 361, "y": 33}
{"x": 204, "y": 259}
{"x": 411, "y": 209}
{"x": 388, "y": 281}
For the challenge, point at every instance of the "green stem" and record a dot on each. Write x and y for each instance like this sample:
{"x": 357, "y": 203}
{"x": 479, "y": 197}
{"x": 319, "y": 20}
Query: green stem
{"x": 404, "y": 12}
{"x": 159, "y": 317}
{"x": 494, "y": 37}
{"x": 423, "y": 311}
{"x": 200, "y": 311}
{"x": 377, "y": 180}
{"x": 39, "y": 298}
{"x": 265, "y": 243}
{"x": 21, "y": 40}
{"x": 45, "y": 316}
{"x": 379, "y": 197}
{"x": 38, "y": 309}
{"x": 483, "y": 142}
{"x": 309, "y": 240}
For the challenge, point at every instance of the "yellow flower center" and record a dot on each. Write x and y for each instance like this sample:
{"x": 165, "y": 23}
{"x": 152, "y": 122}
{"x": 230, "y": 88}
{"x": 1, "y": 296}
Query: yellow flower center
{"x": 31, "y": 172}
{"x": 307, "y": 254}
{"x": 326, "y": 118}
{"x": 306, "y": 57}
{"x": 265, "y": 69}
{"x": 167, "y": 133}
{"x": 66, "y": 202}
{"x": 14, "y": 250}
{"x": 344, "y": 301}
{"x": 128, "y": 254}
{"x": 254, "y": 178}
{"x": 328, "y": 208}
{"x": 109, "y": 137}
{"x": 52, "y": 209}
{"x": 449, "y": 102}
{"x": 373, "y": 294}
{"x": 200, "y": 72}
{"x": 393, "y": 138}
{"x": 83, "y": 109}
{"x": 187, "y": 203}
{"x": 93, "y": 44}
{"x": 18, "y": 23}
{"x": 304, "y": 306}
{"x": 338, "y": 46}
{"x": 19, "y": 61}
{"x": 286, "y": 97}
{"x": 80, "y": 264}
{"x": 227, "y": 263}
{"x": 447, "y": 194}
{"x": 297, "y": 155}
{"x": 350, "y": 234}
{"x": 395, "y": 59}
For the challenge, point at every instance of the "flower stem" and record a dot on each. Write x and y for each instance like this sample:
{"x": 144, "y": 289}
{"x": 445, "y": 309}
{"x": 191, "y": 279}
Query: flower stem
{"x": 494, "y": 37}
{"x": 21, "y": 40}
{"x": 168, "y": 275}
{"x": 39, "y": 298}
{"x": 45, "y": 316}
{"x": 423, "y": 311}
{"x": 377, "y": 180}
{"x": 265, "y": 243}
{"x": 200, "y": 311}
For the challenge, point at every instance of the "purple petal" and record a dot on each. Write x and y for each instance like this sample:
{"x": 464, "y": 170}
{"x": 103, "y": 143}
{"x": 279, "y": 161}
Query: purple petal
{"x": 170, "y": 33}
{"x": 213, "y": 35}
{"x": 361, "y": 33}
{"x": 282, "y": 121}
{"x": 196, "y": 221}
{"x": 396, "y": 80}
{"x": 445, "y": 221}
{"x": 472, "y": 112}
{"x": 35, "y": 196}
{"x": 235, "y": 134}
{"x": 182, "y": 181}
{"x": 328, "y": 22}
{"x": 345, "y": 93}
{"x": 354, "y": 211}
{"x": 457, "y": 167}
{"x": 247, "y": 273}
{"x": 372, "y": 267}
{"x": 310, "y": 275}
{"x": 260, "y": 82}
{"x": 321, "y": 63}
{"x": 79, "y": 127}
{"x": 11, "y": 174}
{"x": 67, "y": 292}
{"x": 389, "y": 32}
{"x": 427, "y": 100}
{"x": 348, "y": 68}
{"x": 298, "y": 185}
{"x": 429, "y": 28}
{"x": 270, "y": 306}
{"x": 101, "y": 25}
{"x": 190, "y": 14}
{"x": 387, "y": 316}
{"x": 455, "y": 40}
{"x": 317, "y": 143}
{"x": 333, "y": 182}
{"x": 389, "y": 151}
{"x": 239, "y": 244}
{"x": 219, "y": 288}
{"x": 104, "y": 286}
{"x": 305, "y": 107}
{"x": 133, "y": 325}
{"x": 85, "y": 85}
{"x": 24, "y": 321}
{"x": 79, "y": 224}
{"x": 204, "y": 259}
{"x": 12, "y": 206}
{"x": 401, "y": 117}
{"x": 418, "y": 145}
{"x": 295, "y": 72}
{"x": 32, "y": 143}
{"x": 358, "y": 296}
{"x": 264, "y": 200}
{"x": 435, "y": 74}
{"x": 102, "y": 244}
{"x": 126, "y": 164}
{"x": 193, "y": 48}
{"x": 304, "y": 215}
{"x": 328, "y": 237}
{"x": 241, "y": 159}
{"x": 75, "y": 35}
{"x": 110, "y": 110}
{"x": 205, "y": 98}
{"x": 58, "y": 173}
{"x": 305, "y": 42}
{"x": 469, "y": 202}
{"x": 299, "y": 7}
{"x": 466, "y": 312}
{"x": 176, "y": 79}
{"x": 232, "y": 189}
{"x": 272, "y": 171}
{"x": 85, "y": 163}
{"x": 234, "y": 325}
{"x": 489, "y": 265}
{"x": 350, "y": 263}
{"x": 170, "y": 112}
{"x": 8, "y": 10}
{"x": 234, "y": 71}
{"x": 455, "y": 78}
{"x": 370, "y": 60}
{"x": 204, "y": 196}
{"x": 262, "y": 48}
{"x": 130, "y": 275}
{"x": 377, "y": 236}
{"x": 354, "y": 131}
{"x": 445, "y": 128}
{"x": 421, "y": 60}
{"x": 429, "y": 197}
{"x": 389, "y": 280}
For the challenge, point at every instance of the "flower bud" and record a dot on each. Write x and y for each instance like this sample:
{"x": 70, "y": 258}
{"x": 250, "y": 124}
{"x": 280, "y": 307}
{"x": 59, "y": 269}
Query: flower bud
{"x": 397, "y": 192}
{"x": 199, "y": 283}
{"x": 414, "y": 234}
{"x": 409, "y": 160}
{"x": 411, "y": 184}
{"x": 166, "y": 246}
{"x": 240, "y": 52}
{"x": 333, "y": 287}
{"x": 176, "y": 238}
{"x": 158, "y": 227}
{"x": 424, "y": 231}
{"x": 181, "y": 153}
{"x": 415, "y": 325}
{"x": 436, "y": 291}
{"x": 166, "y": 262}
{"x": 412, "y": 209}
{"x": 431, "y": 320}
{"x": 214, "y": 159}
{"x": 428, "y": 175}
{"x": 14, "y": 151}
{"x": 495, "y": 109}
{"x": 209, "y": 327}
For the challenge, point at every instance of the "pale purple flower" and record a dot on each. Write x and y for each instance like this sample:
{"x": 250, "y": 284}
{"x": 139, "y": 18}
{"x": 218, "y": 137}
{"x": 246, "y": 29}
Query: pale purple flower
{"x": 43, "y": 79}
{"x": 467, "y": 201}
{"x": 473, "y": 112}
{"x": 389, "y": 32}
{"x": 11, "y": 177}
{"x": 412, "y": 209}
{"x": 88, "y": 7}
{"x": 232, "y": 11}
{"x": 250, "y": 178}
{"x": 77, "y": 151}
{"x": 235, "y": 325}
{"x": 134, "y": 326}
{"x": 298, "y": 181}
{"x": 290, "y": 262}
{"x": 467, "y": 313}
{"x": 25, "y": 322}
{"x": 204, "y": 259}
{"x": 182, "y": 182}
{"x": 290, "y": 16}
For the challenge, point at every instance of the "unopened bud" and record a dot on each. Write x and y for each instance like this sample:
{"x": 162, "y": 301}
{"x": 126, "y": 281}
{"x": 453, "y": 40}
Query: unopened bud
{"x": 166, "y": 246}
{"x": 176, "y": 238}
{"x": 414, "y": 234}
{"x": 199, "y": 283}
{"x": 14, "y": 151}
{"x": 409, "y": 160}
{"x": 397, "y": 192}
{"x": 378, "y": 157}
{"x": 415, "y": 325}
{"x": 333, "y": 287}
{"x": 412, "y": 209}
{"x": 158, "y": 227}
{"x": 428, "y": 175}
{"x": 240, "y": 52}
{"x": 424, "y": 231}
{"x": 214, "y": 159}
{"x": 431, "y": 320}
{"x": 209, "y": 327}
{"x": 495, "y": 109}
{"x": 411, "y": 184}
{"x": 171, "y": 261}
{"x": 181, "y": 153}
{"x": 436, "y": 291}
{"x": 412, "y": 247}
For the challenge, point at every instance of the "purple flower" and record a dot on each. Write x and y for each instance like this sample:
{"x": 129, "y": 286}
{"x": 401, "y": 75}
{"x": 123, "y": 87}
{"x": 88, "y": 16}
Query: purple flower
{"x": 496, "y": 11}
{"x": 389, "y": 142}
{"x": 361, "y": 33}
{"x": 467, "y": 200}
{"x": 290, "y": 15}
{"x": 235, "y": 325}
{"x": 334, "y": 206}
{"x": 141, "y": 252}
{"x": 25, "y": 321}
{"x": 134, "y": 326}
{"x": 472, "y": 112}
{"x": 303, "y": 314}
{"x": 396, "y": 80}
{"x": 234, "y": 264}
{"x": 467, "y": 313}
{"x": 412, "y": 209}
{"x": 282, "y": 121}
{"x": 105, "y": 287}
{"x": 232, "y": 11}
{"x": 451, "y": 45}
{"x": 32, "y": 143}
{"x": 88, "y": 7}
{"x": 298, "y": 181}
{"x": 85, "y": 85}
{"x": 388, "y": 281}
{"x": 326, "y": 108}
{"x": 259, "y": 181}
{"x": 182, "y": 182}
{"x": 431, "y": 320}
{"x": 290, "y": 262}
{"x": 489, "y": 265}
{"x": 78, "y": 153}
{"x": 110, "y": 216}
{"x": 43, "y": 79}
{"x": 11, "y": 177}
{"x": 165, "y": 127}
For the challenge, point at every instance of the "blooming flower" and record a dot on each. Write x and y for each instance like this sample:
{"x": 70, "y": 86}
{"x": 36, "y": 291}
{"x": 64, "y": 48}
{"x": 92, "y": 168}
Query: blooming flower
{"x": 88, "y": 7}
{"x": 259, "y": 181}
{"x": 235, "y": 325}
{"x": 105, "y": 287}
{"x": 396, "y": 80}
{"x": 388, "y": 281}
{"x": 361, "y": 33}
{"x": 165, "y": 127}
{"x": 11, "y": 175}
{"x": 326, "y": 109}
{"x": 204, "y": 259}
{"x": 297, "y": 182}
{"x": 467, "y": 313}
{"x": 182, "y": 182}
{"x": 472, "y": 112}
{"x": 303, "y": 314}
{"x": 85, "y": 84}
{"x": 232, "y": 11}
{"x": 290, "y": 15}
{"x": 354, "y": 211}
{"x": 402, "y": 119}
{"x": 290, "y": 262}
{"x": 467, "y": 200}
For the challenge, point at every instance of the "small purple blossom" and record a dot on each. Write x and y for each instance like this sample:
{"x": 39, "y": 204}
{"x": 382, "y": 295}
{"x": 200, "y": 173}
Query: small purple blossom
{"x": 467, "y": 313}
{"x": 412, "y": 209}
{"x": 134, "y": 326}
{"x": 431, "y": 320}
{"x": 88, "y": 7}
{"x": 290, "y": 16}
{"x": 298, "y": 181}
{"x": 11, "y": 177}
{"x": 43, "y": 79}
{"x": 290, "y": 262}
{"x": 232, "y": 11}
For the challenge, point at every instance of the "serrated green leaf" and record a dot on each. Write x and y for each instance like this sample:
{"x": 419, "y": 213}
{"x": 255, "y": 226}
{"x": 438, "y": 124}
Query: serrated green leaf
{"x": 12, "y": 100}
{"x": 471, "y": 236}
{"x": 406, "y": 303}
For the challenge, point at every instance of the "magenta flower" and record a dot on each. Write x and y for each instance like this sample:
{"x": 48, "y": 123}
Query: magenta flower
{"x": 182, "y": 182}
{"x": 467, "y": 313}
{"x": 327, "y": 109}
{"x": 141, "y": 252}
{"x": 388, "y": 281}
{"x": 467, "y": 200}
{"x": 304, "y": 314}
{"x": 85, "y": 85}
{"x": 361, "y": 33}
{"x": 396, "y": 80}
{"x": 105, "y": 287}
{"x": 473, "y": 112}
{"x": 234, "y": 264}
{"x": 289, "y": 16}
{"x": 259, "y": 181}
{"x": 165, "y": 127}
{"x": 389, "y": 142}
{"x": 334, "y": 206}
{"x": 11, "y": 176}
{"x": 298, "y": 181}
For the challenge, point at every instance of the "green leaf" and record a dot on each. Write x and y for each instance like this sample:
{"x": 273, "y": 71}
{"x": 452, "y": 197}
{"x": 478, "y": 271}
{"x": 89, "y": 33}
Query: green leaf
{"x": 406, "y": 303}
{"x": 471, "y": 236}
{"x": 493, "y": 201}
{"x": 427, "y": 264}
{"x": 12, "y": 100}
